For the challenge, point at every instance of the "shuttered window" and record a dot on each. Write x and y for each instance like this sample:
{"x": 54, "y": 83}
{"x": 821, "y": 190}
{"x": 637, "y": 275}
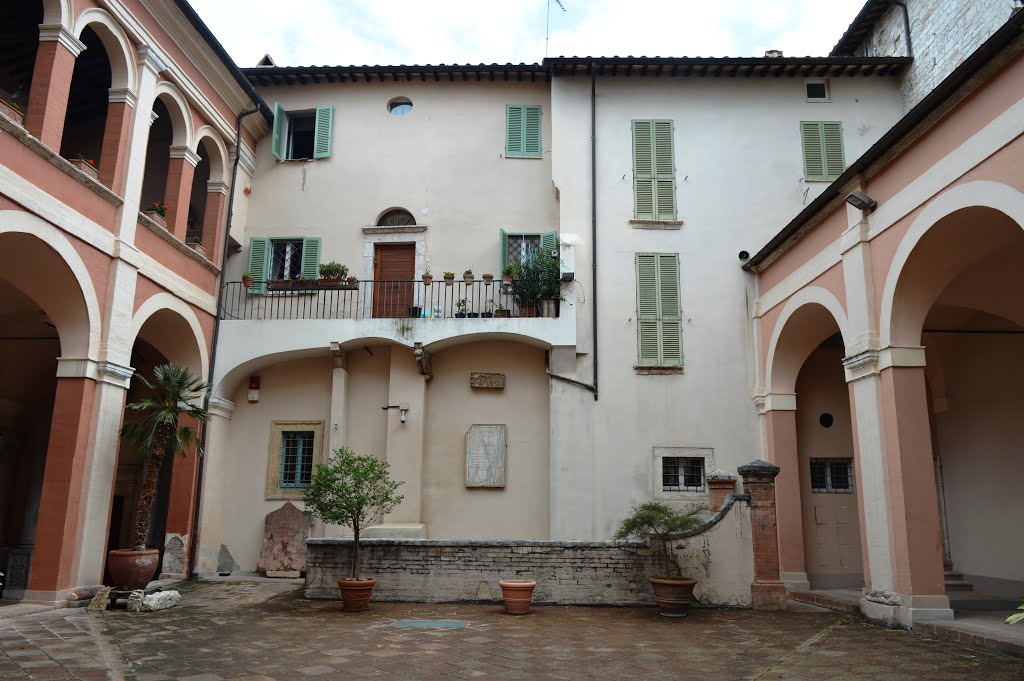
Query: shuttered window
{"x": 659, "y": 315}
{"x": 287, "y": 258}
{"x": 522, "y": 131}
{"x": 822, "y": 143}
{"x": 515, "y": 249}
{"x": 654, "y": 171}
{"x": 302, "y": 135}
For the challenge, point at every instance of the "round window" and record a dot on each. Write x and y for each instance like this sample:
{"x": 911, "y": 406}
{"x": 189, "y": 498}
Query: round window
{"x": 826, "y": 420}
{"x": 399, "y": 106}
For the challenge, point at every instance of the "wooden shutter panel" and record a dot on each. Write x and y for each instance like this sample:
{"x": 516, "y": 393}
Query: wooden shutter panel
{"x": 311, "y": 257}
{"x": 647, "y": 309}
{"x": 322, "y": 132}
{"x": 277, "y": 140}
{"x": 643, "y": 170}
{"x": 658, "y": 310}
{"x": 513, "y": 130}
{"x": 664, "y": 171}
{"x": 832, "y": 146}
{"x": 503, "y": 249}
{"x": 670, "y": 311}
{"x": 259, "y": 261}
{"x": 532, "y": 131}
{"x": 549, "y": 243}
{"x": 814, "y": 156}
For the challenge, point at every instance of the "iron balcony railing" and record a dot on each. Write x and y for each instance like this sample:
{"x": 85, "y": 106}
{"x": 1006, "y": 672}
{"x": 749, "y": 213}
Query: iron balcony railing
{"x": 317, "y": 299}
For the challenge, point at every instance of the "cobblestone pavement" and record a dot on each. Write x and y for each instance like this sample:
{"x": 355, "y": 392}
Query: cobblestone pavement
{"x": 267, "y": 632}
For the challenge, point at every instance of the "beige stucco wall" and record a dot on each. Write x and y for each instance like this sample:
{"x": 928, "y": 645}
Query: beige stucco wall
{"x": 520, "y": 509}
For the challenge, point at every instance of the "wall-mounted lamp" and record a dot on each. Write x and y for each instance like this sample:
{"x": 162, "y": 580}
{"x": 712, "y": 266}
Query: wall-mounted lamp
{"x": 254, "y": 390}
{"x": 403, "y": 410}
{"x": 861, "y": 201}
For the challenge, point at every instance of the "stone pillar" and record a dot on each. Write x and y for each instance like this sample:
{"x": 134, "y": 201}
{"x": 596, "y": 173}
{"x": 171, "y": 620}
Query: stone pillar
{"x": 180, "y": 513}
{"x": 768, "y": 591}
{"x": 178, "y": 191}
{"x": 720, "y": 484}
{"x": 405, "y": 445}
{"x": 215, "y": 476}
{"x": 120, "y": 104}
{"x": 213, "y": 219}
{"x": 51, "y": 84}
{"x": 58, "y": 531}
{"x": 338, "y": 429}
{"x": 780, "y": 448}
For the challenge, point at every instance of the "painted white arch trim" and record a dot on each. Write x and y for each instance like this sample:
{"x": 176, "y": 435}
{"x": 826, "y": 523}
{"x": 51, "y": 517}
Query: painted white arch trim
{"x": 221, "y": 151}
{"x": 181, "y": 116}
{"x": 982, "y": 193}
{"x": 58, "y": 12}
{"x": 811, "y": 295}
{"x": 21, "y": 222}
{"x": 165, "y": 301}
{"x": 119, "y": 48}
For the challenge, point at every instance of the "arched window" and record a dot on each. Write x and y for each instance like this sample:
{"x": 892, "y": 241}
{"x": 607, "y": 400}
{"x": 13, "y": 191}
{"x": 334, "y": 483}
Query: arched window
{"x": 396, "y": 218}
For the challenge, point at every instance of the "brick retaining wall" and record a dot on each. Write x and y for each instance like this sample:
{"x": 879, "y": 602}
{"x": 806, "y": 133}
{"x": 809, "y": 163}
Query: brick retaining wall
{"x": 436, "y": 571}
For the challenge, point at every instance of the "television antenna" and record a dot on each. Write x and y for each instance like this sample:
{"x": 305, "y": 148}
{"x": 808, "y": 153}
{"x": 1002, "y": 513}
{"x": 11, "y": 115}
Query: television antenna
{"x": 547, "y": 27}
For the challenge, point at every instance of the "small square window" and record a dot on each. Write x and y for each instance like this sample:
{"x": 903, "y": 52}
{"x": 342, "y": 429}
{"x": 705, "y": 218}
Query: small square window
{"x": 817, "y": 91}
{"x": 301, "y": 131}
{"x": 522, "y": 248}
{"x": 295, "y": 449}
{"x": 682, "y": 474}
{"x": 832, "y": 476}
{"x": 296, "y": 458}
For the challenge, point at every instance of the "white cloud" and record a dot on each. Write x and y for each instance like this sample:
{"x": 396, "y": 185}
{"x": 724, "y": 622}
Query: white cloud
{"x": 306, "y": 32}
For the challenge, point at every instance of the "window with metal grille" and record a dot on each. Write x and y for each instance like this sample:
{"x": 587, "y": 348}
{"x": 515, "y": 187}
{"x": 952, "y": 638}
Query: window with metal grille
{"x": 832, "y": 476}
{"x": 682, "y": 474}
{"x": 522, "y": 248}
{"x": 296, "y": 458}
{"x": 285, "y": 258}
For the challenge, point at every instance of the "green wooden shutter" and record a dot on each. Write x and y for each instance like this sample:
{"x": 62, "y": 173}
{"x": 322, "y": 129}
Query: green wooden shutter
{"x": 659, "y": 315}
{"x": 259, "y": 261}
{"x": 532, "y": 131}
{"x": 322, "y": 133}
{"x": 502, "y": 249}
{"x": 549, "y": 243}
{"x": 654, "y": 171}
{"x": 643, "y": 170}
{"x": 277, "y": 140}
{"x": 513, "y": 131}
{"x": 311, "y": 257}
{"x": 832, "y": 147}
{"x": 664, "y": 172}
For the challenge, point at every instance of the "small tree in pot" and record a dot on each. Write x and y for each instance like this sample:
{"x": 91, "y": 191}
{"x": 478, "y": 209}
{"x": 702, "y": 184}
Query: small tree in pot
{"x": 658, "y": 522}
{"x": 356, "y": 491}
{"x": 156, "y": 427}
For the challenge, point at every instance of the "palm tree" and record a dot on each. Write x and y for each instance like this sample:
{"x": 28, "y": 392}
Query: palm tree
{"x": 157, "y": 429}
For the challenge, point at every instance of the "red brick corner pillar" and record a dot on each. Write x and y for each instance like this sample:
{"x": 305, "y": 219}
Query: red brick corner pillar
{"x": 213, "y": 219}
{"x": 768, "y": 591}
{"x": 114, "y": 151}
{"x": 180, "y": 514}
{"x": 178, "y": 191}
{"x": 720, "y": 484}
{"x": 58, "y": 540}
{"x": 51, "y": 84}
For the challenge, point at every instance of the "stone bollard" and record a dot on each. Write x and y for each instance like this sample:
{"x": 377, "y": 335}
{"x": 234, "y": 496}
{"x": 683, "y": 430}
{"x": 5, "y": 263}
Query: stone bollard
{"x": 721, "y": 484}
{"x": 768, "y": 591}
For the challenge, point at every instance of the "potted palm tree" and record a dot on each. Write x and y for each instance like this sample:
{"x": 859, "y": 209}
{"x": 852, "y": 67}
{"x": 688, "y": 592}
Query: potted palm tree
{"x": 356, "y": 491}
{"x": 657, "y": 522}
{"x": 156, "y": 426}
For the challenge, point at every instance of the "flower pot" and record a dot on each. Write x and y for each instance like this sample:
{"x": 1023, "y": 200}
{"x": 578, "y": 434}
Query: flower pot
{"x": 12, "y": 113}
{"x": 356, "y": 593}
{"x": 415, "y": 312}
{"x": 247, "y": 282}
{"x": 468, "y": 279}
{"x": 330, "y": 282}
{"x": 86, "y": 167}
{"x": 506, "y": 279}
{"x": 449, "y": 281}
{"x": 279, "y": 284}
{"x": 486, "y": 315}
{"x": 427, "y": 279}
{"x": 673, "y": 595}
{"x": 517, "y": 594}
{"x": 157, "y": 218}
{"x": 501, "y": 314}
{"x": 529, "y": 310}
{"x": 133, "y": 569}
{"x": 473, "y": 315}
{"x": 488, "y": 278}
{"x": 460, "y": 315}
{"x": 352, "y": 281}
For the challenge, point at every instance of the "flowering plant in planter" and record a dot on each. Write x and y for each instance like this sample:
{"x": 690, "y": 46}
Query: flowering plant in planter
{"x": 333, "y": 270}
{"x": 86, "y": 159}
{"x": 158, "y": 207}
{"x": 14, "y": 105}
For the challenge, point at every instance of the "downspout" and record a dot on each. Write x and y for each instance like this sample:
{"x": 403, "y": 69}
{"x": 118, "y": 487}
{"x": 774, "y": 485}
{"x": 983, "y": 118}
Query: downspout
{"x": 906, "y": 26}
{"x": 592, "y": 387}
{"x": 201, "y": 452}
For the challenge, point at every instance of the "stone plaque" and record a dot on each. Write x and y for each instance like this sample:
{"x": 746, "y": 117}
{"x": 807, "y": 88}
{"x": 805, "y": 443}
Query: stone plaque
{"x": 485, "y": 456}
{"x": 284, "y": 541}
{"x": 479, "y": 379}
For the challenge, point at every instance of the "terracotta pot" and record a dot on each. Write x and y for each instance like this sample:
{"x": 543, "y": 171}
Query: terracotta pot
{"x": 133, "y": 569}
{"x": 352, "y": 281}
{"x": 506, "y": 279}
{"x": 673, "y": 595}
{"x": 449, "y": 280}
{"x": 247, "y": 282}
{"x": 501, "y": 314}
{"x": 427, "y": 278}
{"x": 517, "y": 594}
{"x": 529, "y": 311}
{"x": 488, "y": 278}
{"x": 157, "y": 218}
{"x": 468, "y": 278}
{"x": 356, "y": 593}
{"x": 86, "y": 167}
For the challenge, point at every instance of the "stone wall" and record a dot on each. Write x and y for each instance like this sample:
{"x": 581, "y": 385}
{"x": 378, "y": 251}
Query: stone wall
{"x": 943, "y": 33}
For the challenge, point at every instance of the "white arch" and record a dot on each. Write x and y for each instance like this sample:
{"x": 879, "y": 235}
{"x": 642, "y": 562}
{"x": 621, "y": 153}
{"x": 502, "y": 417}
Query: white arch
{"x": 219, "y": 160}
{"x": 116, "y": 43}
{"x": 165, "y": 301}
{"x": 181, "y": 116}
{"x": 983, "y": 194}
{"x": 21, "y": 222}
{"x": 811, "y": 295}
{"x": 58, "y": 12}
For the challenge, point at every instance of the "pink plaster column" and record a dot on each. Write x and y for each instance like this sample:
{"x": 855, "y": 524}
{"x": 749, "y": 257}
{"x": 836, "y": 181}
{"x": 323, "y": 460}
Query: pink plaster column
{"x": 780, "y": 430}
{"x": 767, "y": 592}
{"x": 51, "y": 84}
{"x": 114, "y": 152}
{"x": 912, "y": 499}
{"x": 213, "y": 219}
{"x": 178, "y": 190}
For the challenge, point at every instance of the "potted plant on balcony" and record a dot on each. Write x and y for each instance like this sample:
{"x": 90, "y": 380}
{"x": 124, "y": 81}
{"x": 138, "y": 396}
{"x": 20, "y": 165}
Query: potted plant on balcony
{"x": 657, "y": 522}
{"x": 157, "y": 212}
{"x": 355, "y": 491}
{"x": 14, "y": 111}
{"x": 488, "y": 312}
{"x": 500, "y": 312}
{"x": 467, "y": 277}
{"x": 462, "y": 308}
{"x": 332, "y": 274}
{"x": 488, "y": 278}
{"x": 86, "y": 165}
{"x": 156, "y": 427}
{"x": 536, "y": 280}
{"x": 427, "y": 277}
{"x": 507, "y": 273}
{"x": 247, "y": 279}
{"x": 449, "y": 278}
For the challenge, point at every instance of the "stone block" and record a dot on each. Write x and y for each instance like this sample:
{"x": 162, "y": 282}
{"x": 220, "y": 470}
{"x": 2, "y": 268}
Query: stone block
{"x": 135, "y": 600}
{"x": 485, "y": 456}
{"x": 160, "y": 601}
{"x": 284, "y": 540}
{"x": 101, "y": 599}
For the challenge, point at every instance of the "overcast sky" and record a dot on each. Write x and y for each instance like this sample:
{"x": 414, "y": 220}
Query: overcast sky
{"x": 308, "y": 32}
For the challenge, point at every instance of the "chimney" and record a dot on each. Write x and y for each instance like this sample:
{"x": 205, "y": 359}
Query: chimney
{"x": 773, "y": 54}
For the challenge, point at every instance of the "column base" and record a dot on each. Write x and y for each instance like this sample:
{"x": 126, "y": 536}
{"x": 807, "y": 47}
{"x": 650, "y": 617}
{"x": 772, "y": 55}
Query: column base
{"x": 768, "y": 596}
{"x": 396, "y": 531}
{"x": 57, "y": 599}
{"x": 899, "y": 611}
{"x": 796, "y": 581}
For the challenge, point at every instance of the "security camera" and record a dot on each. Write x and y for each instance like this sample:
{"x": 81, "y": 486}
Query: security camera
{"x": 744, "y": 256}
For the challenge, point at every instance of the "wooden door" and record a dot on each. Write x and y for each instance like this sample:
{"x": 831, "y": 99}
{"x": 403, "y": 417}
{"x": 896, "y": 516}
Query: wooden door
{"x": 394, "y": 266}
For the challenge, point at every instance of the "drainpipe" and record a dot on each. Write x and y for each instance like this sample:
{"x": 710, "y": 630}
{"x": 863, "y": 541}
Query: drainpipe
{"x": 592, "y": 387}
{"x": 906, "y": 25}
{"x": 194, "y": 539}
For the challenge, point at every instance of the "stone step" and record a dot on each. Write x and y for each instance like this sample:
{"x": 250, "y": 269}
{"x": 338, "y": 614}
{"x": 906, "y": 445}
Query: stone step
{"x": 954, "y": 576}
{"x": 958, "y": 585}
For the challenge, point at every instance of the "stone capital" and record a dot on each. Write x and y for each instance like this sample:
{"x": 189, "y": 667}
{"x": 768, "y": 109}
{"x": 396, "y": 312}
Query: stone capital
{"x": 57, "y": 33}
{"x": 122, "y": 95}
{"x": 775, "y": 402}
{"x": 758, "y": 471}
{"x": 221, "y": 407}
{"x": 150, "y": 59}
{"x": 215, "y": 187}
{"x": 114, "y": 374}
{"x": 182, "y": 151}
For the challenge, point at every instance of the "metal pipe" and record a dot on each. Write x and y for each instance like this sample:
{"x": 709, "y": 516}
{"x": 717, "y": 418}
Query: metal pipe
{"x": 906, "y": 26}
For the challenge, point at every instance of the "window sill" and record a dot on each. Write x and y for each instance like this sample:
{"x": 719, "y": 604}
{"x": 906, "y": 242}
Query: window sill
{"x": 656, "y": 371}
{"x": 820, "y": 181}
{"x": 525, "y": 158}
{"x": 656, "y": 224}
{"x": 397, "y": 229}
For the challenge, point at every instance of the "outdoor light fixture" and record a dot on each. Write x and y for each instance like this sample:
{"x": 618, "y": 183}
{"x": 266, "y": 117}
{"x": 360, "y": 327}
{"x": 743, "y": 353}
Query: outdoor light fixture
{"x": 861, "y": 201}
{"x": 403, "y": 410}
{"x": 254, "y": 390}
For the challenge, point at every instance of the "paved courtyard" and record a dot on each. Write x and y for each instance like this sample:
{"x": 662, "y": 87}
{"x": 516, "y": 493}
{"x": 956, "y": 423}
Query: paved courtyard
{"x": 266, "y": 631}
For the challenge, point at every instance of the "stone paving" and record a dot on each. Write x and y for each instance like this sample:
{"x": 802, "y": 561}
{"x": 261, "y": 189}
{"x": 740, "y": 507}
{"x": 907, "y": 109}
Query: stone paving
{"x": 267, "y": 632}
